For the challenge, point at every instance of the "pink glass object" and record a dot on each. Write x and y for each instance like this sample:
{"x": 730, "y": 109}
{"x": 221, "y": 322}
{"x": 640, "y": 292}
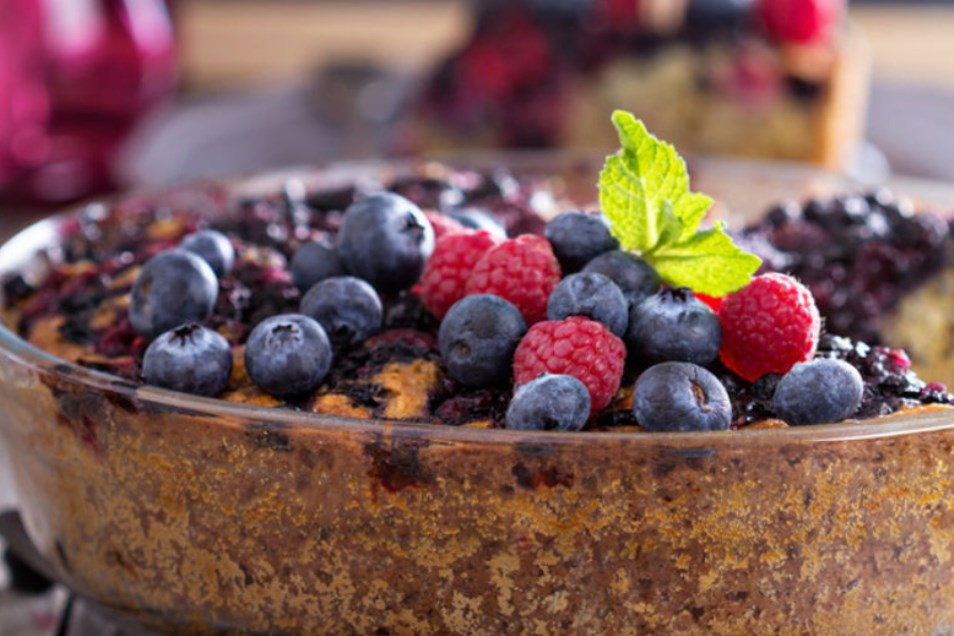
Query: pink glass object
{"x": 104, "y": 64}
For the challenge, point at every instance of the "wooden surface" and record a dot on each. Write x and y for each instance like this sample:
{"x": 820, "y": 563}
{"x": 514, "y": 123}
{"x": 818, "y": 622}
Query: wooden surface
{"x": 230, "y": 43}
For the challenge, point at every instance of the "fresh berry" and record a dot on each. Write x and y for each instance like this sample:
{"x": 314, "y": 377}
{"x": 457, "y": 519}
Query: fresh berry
{"x": 680, "y": 396}
{"x": 477, "y": 339}
{"x": 577, "y": 346}
{"x": 800, "y": 20}
{"x": 191, "y": 358}
{"x": 214, "y": 247}
{"x": 445, "y": 276}
{"x": 522, "y": 270}
{"x": 768, "y": 326}
{"x": 174, "y": 287}
{"x": 592, "y": 295}
{"x": 346, "y": 307}
{"x": 635, "y": 277}
{"x": 287, "y": 355}
{"x": 674, "y": 325}
{"x": 578, "y": 237}
{"x": 477, "y": 219}
{"x": 315, "y": 261}
{"x": 443, "y": 224}
{"x": 549, "y": 403}
{"x": 712, "y": 302}
{"x": 818, "y": 391}
{"x": 385, "y": 239}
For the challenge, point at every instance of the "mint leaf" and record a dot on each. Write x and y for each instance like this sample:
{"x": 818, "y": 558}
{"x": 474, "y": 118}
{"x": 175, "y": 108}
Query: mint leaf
{"x": 707, "y": 262}
{"x": 644, "y": 192}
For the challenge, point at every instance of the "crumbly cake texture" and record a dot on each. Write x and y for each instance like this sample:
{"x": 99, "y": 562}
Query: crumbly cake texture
{"x": 79, "y": 312}
{"x": 704, "y": 84}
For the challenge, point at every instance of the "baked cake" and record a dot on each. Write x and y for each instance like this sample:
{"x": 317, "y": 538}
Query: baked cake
{"x": 763, "y": 78}
{"x": 201, "y": 516}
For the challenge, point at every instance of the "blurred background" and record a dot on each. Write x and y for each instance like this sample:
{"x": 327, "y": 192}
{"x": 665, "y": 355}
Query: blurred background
{"x": 97, "y": 95}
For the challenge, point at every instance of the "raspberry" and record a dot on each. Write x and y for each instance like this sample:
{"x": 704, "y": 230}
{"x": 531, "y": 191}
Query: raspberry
{"x": 522, "y": 270}
{"x": 447, "y": 270}
{"x": 583, "y": 348}
{"x": 443, "y": 224}
{"x": 768, "y": 326}
{"x": 800, "y": 20}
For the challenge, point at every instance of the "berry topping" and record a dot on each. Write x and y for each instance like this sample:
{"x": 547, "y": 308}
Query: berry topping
{"x": 635, "y": 277}
{"x": 287, "y": 355}
{"x": 477, "y": 339}
{"x": 578, "y": 237}
{"x": 819, "y": 391}
{"x": 315, "y": 261}
{"x": 385, "y": 239}
{"x": 680, "y": 396}
{"x": 346, "y": 307}
{"x": 592, "y": 295}
{"x": 800, "y": 20}
{"x": 674, "y": 325}
{"x": 549, "y": 403}
{"x": 768, "y": 326}
{"x": 191, "y": 358}
{"x": 442, "y": 224}
{"x": 583, "y": 348}
{"x": 445, "y": 276}
{"x": 522, "y": 270}
{"x": 174, "y": 287}
{"x": 213, "y": 247}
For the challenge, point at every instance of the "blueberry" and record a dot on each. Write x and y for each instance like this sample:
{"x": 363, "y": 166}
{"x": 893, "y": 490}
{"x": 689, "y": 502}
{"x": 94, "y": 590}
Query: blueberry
{"x": 578, "y": 237}
{"x": 385, "y": 239}
{"x": 680, "y": 396}
{"x": 477, "y": 219}
{"x": 315, "y": 261}
{"x": 287, "y": 355}
{"x": 549, "y": 403}
{"x": 674, "y": 325}
{"x": 190, "y": 358}
{"x": 346, "y": 307}
{"x": 635, "y": 277}
{"x": 174, "y": 287}
{"x": 214, "y": 247}
{"x": 477, "y": 339}
{"x": 592, "y": 295}
{"x": 818, "y": 391}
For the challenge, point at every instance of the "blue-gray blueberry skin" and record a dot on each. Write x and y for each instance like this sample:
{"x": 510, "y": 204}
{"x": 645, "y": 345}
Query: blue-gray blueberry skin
{"x": 635, "y": 277}
{"x": 818, "y": 391}
{"x": 579, "y": 237}
{"x": 190, "y": 358}
{"x": 346, "y": 307}
{"x": 314, "y": 262}
{"x": 386, "y": 240}
{"x": 674, "y": 325}
{"x": 549, "y": 402}
{"x": 288, "y": 355}
{"x": 477, "y": 339}
{"x": 592, "y": 295}
{"x": 477, "y": 219}
{"x": 213, "y": 247}
{"x": 680, "y": 397}
{"x": 174, "y": 287}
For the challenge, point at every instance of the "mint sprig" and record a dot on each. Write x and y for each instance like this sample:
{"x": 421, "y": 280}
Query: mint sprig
{"x": 644, "y": 192}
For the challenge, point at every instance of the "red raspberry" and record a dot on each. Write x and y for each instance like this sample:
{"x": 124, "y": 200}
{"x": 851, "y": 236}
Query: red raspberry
{"x": 800, "y": 20}
{"x": 522, "y": 270}
{"x": 713, "y": 302}
{"x": 768, "y": 326}
{"x": 577, "y": 346}
{"x": 450, "y": 265}
{"x": 443, "y": 224}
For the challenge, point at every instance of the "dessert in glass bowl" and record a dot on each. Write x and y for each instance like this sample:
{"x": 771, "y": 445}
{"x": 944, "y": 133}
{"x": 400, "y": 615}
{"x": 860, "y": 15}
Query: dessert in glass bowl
{"x": 404, "y": 493}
